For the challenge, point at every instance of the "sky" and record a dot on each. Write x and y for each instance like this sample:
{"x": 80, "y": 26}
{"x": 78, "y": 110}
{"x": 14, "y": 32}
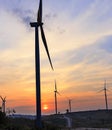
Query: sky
{"x": 79, "y": 37}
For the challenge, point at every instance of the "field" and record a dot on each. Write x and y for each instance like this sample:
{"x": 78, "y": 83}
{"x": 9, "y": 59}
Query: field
{"x": 79, "y": 120}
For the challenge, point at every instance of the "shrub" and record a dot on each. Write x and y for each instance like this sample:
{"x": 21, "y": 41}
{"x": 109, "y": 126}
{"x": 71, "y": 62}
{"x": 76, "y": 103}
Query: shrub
{"x": 2, "y": 118}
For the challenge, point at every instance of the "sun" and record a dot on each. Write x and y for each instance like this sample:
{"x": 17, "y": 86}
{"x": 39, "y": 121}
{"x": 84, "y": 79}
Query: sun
{"x": 45, "y": 107}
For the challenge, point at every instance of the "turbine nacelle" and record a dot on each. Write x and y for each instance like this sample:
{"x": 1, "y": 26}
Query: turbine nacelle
{"x": 37, "y": 24}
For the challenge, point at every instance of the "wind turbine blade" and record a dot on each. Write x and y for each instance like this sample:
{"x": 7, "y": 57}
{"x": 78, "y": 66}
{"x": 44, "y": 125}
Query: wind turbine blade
{"x": 39, "y": 15}
{"x": 58, "y": 93}
{"x": 14, "y": 111}
{"x": 1, "y": 98}
{"x": 55, "y": 86}
{"x": 45, "y": 44}
{"x": 100, "y": 91}
{"x": 108, "y": 90}
{"x": 4, "y": 98}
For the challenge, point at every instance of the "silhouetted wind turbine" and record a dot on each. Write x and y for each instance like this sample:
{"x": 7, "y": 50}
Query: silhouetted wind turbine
{"x": 55, "y": 95}
{"x": 3, "y": 103}
{"x": 37, "y": 61}
{"x": 105, "y": 93}
{"x": 69, "y": 103}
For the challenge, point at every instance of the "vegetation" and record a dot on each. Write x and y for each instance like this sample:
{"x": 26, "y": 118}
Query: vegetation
{"x": 89, "y": 119}
{"x": 56, "y": 120}
{"x": 92, "y": 119}
{"x": 2, "y": 118}
{"x": 23, "y": 124}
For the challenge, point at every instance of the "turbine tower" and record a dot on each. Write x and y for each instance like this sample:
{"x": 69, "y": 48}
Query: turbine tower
{"x": 38, "y": 25}
{"x": 69, "y": 103}
{"x": 3, "y": 103}
{"x": 105, "y": 94}
{"x": 55, "y": 95}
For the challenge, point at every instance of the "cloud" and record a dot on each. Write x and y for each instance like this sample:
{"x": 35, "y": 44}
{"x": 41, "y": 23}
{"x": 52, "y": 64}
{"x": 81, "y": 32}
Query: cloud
{"x": 16, "y": 48}
{"x": 93, "y": 53}
{"x": 79, "y": 38}
{"x": 106, "y": 44}
{"x": 25, "y": 15}
{"x": 84, "y": 68}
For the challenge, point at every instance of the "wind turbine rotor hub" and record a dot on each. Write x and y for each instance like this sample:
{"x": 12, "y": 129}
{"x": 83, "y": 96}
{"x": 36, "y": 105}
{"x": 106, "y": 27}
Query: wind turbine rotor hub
{"x": 40, "y": 23}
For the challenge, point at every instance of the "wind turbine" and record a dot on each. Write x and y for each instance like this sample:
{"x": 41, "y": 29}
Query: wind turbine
{"x": 38, "y": 25}
{"x": 3, "y": 103}
{"x": 105, "y": 93}
{"x": 55, "y": 95}
{"x": 69, "y": 103}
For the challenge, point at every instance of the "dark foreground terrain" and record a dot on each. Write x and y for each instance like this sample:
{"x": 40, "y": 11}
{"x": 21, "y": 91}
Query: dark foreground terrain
{"x": 94, "y": 119}
{"x": 88, "y": 119}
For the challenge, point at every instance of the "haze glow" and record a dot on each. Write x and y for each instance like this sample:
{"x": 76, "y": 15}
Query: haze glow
{"x": 79, "y": 37}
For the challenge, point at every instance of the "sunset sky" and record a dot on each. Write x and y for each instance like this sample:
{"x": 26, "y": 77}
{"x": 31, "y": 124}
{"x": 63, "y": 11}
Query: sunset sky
{"x": 79, "y": 37}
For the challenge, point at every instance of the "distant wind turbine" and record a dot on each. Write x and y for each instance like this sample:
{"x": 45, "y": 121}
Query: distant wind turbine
{"x": 105, "y": 94}
{"x": 55, "y": 95}
{"x": 3, "y": 103}
{"x": 69, "y": 103}
{"x": 38, "y": 25}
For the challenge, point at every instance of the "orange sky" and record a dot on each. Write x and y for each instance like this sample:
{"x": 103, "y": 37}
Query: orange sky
{"x": 79, "y": 37}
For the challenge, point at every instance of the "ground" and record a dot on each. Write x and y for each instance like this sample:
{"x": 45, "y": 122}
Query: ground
{"x": 85, "y": 119}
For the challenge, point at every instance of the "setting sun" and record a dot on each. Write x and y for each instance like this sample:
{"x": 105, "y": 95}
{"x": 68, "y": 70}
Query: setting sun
{"x": 45, "y": 107}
